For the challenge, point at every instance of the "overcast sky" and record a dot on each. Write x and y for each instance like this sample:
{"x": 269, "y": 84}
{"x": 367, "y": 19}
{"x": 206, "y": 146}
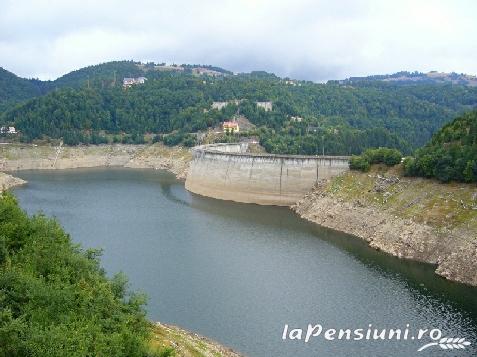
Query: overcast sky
{"x": 305, "y": 39}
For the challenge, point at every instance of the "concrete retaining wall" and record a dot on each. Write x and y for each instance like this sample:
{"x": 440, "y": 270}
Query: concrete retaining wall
{"x": 226, "y": 171}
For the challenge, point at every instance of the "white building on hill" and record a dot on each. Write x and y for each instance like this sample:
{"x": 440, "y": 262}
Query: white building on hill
{"x": 128, "y": 82}
{"x": 265, "y": 105}
{"x": 8, "y": 130}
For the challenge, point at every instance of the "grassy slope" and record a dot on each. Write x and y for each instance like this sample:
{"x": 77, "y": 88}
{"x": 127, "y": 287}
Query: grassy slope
{"x": 187, "y": 344}
{"x": 443, "y": 206}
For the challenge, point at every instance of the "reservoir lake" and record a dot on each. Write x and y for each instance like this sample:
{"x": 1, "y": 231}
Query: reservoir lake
{"x": 238, "y": 273}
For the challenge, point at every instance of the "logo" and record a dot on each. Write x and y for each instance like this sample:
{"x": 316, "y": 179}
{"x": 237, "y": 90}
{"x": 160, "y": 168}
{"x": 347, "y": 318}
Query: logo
{"x": 371, "y": 333}
{"x": 448, "y": 343}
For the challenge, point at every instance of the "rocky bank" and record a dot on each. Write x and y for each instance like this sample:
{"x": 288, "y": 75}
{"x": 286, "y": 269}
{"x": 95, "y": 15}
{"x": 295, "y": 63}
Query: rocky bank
{"x": 46, "y": 157}
{"x": 9, "y": 181}
{"x": 414, "y": 219}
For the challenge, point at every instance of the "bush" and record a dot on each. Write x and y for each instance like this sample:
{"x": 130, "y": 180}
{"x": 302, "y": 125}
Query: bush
{"x": 157, "y": 138}
{"x": 71, "y": 138}
{"x": 173, "y": 139}
{"x": 138, "y": 138}
{"x": 359, "y": 163}
{"x": 392, "y": 157}
{"x": 116, "y": 139}
{"x": 189, "y": 140}
{"x": 56, "y": 300}
{"x": 180, "y": 138}
{"x": 97, "y": 139}
{"x": 389, "y": 157}
{"x": 470, "y": 171}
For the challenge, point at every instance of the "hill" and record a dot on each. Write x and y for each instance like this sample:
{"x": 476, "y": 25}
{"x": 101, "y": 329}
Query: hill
{"x": 451, "y": 154}
{"x": 103, "y": 75}
{"x": 409, "y": 78}
{"x": 305, "y": 117}
{"x": 14, "y": 89}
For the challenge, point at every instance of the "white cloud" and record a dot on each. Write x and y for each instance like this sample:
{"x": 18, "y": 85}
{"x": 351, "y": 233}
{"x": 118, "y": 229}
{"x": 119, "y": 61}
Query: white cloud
{"x": 309, "y": 39}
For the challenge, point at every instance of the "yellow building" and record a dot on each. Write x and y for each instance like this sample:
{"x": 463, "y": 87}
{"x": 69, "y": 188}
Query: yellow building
{"x": 230, "y": 127}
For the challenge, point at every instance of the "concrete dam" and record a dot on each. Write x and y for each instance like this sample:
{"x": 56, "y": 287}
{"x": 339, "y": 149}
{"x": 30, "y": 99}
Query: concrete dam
{"x": 229, "y": 172}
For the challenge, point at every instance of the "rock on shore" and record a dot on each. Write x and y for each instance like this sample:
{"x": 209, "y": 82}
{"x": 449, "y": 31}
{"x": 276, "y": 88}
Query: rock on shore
{"x": 9, "y": 181}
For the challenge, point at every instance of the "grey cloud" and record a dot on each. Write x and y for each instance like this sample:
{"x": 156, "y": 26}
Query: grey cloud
{"x": 306, "y": 39}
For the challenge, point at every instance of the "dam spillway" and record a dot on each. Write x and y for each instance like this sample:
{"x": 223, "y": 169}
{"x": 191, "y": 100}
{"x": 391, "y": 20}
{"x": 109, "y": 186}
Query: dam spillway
{"x": 229, "y": 172}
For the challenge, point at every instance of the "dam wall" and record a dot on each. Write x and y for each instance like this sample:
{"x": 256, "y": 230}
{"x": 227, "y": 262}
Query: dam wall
{"x": 228, "y": 172}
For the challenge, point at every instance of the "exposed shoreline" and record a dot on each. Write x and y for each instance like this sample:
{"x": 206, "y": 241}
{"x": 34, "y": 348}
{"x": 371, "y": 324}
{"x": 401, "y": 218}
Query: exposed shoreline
{"x": 187, "y": 343}
{"x": 425, "y": 234}
{"x": 428, "y": 236}
{"x": 452, "y": 249}
{"x": 156, "y": 156}
{"x": 175, "y": 160}
{"x": 8, "y": 181}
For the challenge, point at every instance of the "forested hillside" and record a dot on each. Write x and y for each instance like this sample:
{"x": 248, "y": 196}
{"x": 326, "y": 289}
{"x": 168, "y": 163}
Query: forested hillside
{"x": 451, "y": 154}
{"x": 14, "y": 89}
{"x": 405, "y": 78}
{"x": 306, "y": 118}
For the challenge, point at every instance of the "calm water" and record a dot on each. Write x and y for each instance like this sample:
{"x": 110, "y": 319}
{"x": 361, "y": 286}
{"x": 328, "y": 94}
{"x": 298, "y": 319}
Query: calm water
{"x": 238, "y": 273}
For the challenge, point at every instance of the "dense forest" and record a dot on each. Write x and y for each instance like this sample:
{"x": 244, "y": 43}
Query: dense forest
{"x": 451, "y": 155}
{"x": 55, "y": 299}
{"x": 307, "y": 118}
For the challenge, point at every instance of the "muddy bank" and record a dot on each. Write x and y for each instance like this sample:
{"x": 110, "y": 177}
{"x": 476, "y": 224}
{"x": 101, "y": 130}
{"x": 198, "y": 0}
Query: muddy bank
{"x": 409, "y": 218}
{"x": 29, "y": 157}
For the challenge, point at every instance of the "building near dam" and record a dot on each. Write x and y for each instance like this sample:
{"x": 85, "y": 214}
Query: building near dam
{"x": 229, "y": 172}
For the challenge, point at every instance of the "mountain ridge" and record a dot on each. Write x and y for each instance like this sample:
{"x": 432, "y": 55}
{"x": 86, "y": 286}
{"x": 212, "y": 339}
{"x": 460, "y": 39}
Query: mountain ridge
{"x": 409, "y": 78}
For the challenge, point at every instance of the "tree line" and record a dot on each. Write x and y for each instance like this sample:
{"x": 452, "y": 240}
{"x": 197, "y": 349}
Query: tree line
{"x": 341, "y": 119}
{"x": 451, "y": 155}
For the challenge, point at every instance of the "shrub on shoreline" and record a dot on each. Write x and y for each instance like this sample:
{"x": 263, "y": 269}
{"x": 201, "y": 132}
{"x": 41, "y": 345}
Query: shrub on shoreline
{"x": 389, "y": 157}
{"x": 56, "y": 300}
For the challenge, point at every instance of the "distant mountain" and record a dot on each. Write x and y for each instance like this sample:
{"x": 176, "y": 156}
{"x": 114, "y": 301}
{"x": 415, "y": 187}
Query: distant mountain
{"x": 409, "y": 78}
